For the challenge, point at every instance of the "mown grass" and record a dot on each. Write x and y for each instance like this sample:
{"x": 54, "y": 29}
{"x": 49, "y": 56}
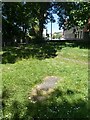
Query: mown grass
{"x": 30, "y": 66}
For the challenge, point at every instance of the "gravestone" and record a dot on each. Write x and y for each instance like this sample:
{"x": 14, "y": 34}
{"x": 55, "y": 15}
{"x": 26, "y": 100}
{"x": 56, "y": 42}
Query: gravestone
{"x": 41, "y": 91}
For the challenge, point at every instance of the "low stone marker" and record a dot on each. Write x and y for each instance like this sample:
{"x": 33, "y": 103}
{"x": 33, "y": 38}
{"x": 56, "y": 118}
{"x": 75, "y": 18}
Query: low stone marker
{"x": 41, "y": 91}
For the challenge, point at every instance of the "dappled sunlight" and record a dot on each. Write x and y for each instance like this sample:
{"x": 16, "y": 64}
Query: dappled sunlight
{"x": 61, "y": 103}
{"x": 40, "y": 51}
{"x": 67, "y": 100}
{"x": 53, "y": 107}
{"x": 45, "y": 60}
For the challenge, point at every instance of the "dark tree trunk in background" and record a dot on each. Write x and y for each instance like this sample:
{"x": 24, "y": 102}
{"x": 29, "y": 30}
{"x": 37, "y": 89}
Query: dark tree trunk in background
{"x": 40, "y": 28}
{"x": 41, "y": 22}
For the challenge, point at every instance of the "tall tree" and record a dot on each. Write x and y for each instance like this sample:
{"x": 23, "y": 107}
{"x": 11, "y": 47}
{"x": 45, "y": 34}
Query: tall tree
{"x": 21, "y": 18}
{"x": 42, "y": 13}
{"x": 78, "y": 13}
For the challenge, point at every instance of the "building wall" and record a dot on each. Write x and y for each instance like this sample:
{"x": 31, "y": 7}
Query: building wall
{"x": 71, "y": 34}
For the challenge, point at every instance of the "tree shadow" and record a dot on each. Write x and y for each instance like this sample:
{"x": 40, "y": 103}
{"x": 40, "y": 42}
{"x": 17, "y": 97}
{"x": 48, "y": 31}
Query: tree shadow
{"x": 40, "y": 51}
{"x": 50, "y": 109}
{"x": 81, "y": 44}
{"x": 6, "y": 94}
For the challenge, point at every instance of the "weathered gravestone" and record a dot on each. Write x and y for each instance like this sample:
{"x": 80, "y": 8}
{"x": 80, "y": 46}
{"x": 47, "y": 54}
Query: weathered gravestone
{"x": 41, "y": 91}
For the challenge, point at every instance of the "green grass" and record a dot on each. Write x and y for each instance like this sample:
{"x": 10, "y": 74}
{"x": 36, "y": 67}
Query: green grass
{"x": 31, "y": 65}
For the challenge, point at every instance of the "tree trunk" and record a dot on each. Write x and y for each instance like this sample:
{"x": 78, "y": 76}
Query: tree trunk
{"x": 41, "y": 22}
{"x": 40, "y": 28}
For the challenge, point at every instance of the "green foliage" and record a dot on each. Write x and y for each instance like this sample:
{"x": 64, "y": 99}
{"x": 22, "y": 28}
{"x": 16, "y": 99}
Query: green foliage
{"x": 77, "y": 11}
{"x": 80, "y": 13}
{"x": 20, "y": 20}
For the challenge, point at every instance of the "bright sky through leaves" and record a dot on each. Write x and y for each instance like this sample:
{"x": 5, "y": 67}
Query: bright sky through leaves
{"x": 55, "y": 26}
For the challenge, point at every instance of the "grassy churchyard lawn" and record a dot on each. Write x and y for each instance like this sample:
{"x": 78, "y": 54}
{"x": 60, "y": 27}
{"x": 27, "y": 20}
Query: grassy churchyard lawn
{"x": 23, "y": 67}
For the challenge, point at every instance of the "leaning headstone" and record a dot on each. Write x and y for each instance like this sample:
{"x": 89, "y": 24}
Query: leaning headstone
{"x": 41, "y": 91}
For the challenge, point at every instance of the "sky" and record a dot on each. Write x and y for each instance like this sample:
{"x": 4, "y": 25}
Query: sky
{"x": 55, "y": 27}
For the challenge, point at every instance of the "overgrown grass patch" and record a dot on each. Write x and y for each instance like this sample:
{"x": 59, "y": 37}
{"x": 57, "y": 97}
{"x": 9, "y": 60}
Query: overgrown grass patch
{"x": 69, "y": 100}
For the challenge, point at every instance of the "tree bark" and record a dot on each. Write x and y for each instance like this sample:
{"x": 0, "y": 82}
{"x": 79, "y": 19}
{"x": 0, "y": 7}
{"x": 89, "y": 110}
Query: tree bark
{"x": 40, "y": 28}
{"x": 41, "y": 22}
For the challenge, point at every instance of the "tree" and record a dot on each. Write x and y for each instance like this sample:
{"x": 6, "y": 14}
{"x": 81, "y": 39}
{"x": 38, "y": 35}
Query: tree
{"x": 42, "y": 13}
{"x": 9, "y": 26}
{"x": 22, "y": 19}
{"x": 77, "y": 12}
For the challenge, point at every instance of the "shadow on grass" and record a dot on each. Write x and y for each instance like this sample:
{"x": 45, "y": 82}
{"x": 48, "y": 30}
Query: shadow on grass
{"x": 6, "y": 94}
{"x": 49, "y": 109}
{"x": 39, "y": 51}
{"x": 81, "y": 44}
